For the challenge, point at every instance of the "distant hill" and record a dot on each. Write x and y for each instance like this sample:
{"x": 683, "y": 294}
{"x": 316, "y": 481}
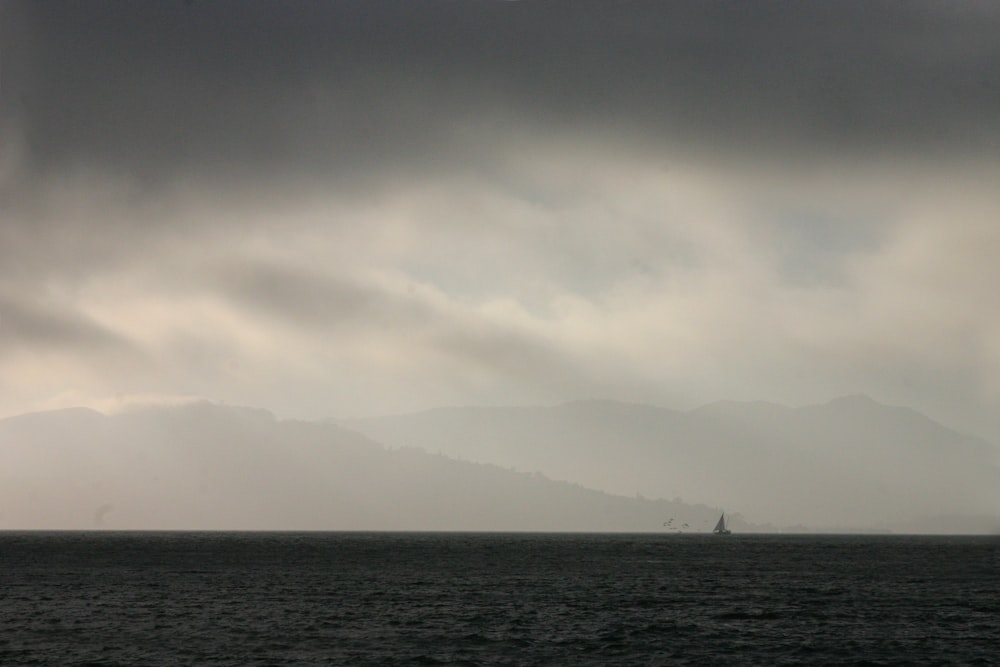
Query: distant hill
{"x": 852, "y": 463}
{"x": 205, "y": 466}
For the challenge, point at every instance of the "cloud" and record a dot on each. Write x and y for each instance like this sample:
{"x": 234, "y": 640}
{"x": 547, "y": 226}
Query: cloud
{"x": 309, "y": 299}
{"x": 278, "y": 92}
{"x": 40, "y": 325}
{"x": 336, "y": 208}
{"x": 558, "y": 279}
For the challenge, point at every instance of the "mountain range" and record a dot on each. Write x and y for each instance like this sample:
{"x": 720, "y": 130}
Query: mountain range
{"x": 852, "y": 463}
{"x": 849, "y": 465}
{"x": 209, "y": 467}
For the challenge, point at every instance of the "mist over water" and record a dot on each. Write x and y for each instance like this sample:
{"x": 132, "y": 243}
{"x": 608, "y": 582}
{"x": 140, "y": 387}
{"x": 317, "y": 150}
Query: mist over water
{"x": 686, "y": 258}
{"x": 847, "y": 466}
{"x": 593, "y": 220}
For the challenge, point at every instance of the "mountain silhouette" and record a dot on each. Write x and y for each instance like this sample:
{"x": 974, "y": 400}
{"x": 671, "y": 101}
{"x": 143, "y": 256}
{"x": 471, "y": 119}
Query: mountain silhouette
{"x": 851, "y": 463}
{"x": 206, "y": 466}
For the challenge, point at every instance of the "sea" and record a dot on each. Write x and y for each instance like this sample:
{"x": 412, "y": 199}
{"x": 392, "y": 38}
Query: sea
{"x": 175, "y": 598}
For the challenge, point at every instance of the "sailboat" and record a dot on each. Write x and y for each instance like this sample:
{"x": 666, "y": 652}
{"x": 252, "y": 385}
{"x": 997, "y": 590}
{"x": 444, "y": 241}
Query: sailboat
{"x": 720, "y": 528}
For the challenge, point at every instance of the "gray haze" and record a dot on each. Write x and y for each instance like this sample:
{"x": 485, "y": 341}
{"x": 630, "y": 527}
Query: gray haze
{"x": 351, "y": 209}
{"x": 209, "y": 467}
{"x": 850, "y": 464}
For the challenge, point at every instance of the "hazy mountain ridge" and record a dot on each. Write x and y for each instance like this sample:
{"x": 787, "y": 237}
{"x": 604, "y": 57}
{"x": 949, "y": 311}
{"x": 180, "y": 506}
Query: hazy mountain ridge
{"x": 205, "y": 466}
{"x": 849, "y": 462}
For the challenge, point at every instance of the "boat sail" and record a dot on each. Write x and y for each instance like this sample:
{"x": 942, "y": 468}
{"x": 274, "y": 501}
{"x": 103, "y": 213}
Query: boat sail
{"x": 720, "y": 527}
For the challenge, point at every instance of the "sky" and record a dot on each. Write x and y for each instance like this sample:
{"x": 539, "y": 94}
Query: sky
{"x": 347, "y": 209}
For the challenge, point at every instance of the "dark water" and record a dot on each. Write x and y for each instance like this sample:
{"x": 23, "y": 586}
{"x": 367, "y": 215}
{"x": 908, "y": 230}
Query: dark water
{"x": 336, "y": 598}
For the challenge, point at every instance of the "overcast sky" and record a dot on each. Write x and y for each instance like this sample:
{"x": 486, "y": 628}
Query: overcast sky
{"x": 344, "y": 209}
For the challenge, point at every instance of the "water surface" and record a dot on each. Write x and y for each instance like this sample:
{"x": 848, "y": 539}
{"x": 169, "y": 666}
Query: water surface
{"x": 376, "y": 598}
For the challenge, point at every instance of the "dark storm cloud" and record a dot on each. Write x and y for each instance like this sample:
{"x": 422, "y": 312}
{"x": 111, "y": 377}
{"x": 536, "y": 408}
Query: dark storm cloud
{"x": 308, "y": 299}
{"x": 155, "y": 88}
{"x": 504, "y": 352}
{"x": 330, "y": 306}
{"x": 37, "y": 325}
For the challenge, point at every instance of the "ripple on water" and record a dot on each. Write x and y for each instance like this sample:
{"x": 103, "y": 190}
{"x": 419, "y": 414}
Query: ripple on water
{"x": 494, "y": 599}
